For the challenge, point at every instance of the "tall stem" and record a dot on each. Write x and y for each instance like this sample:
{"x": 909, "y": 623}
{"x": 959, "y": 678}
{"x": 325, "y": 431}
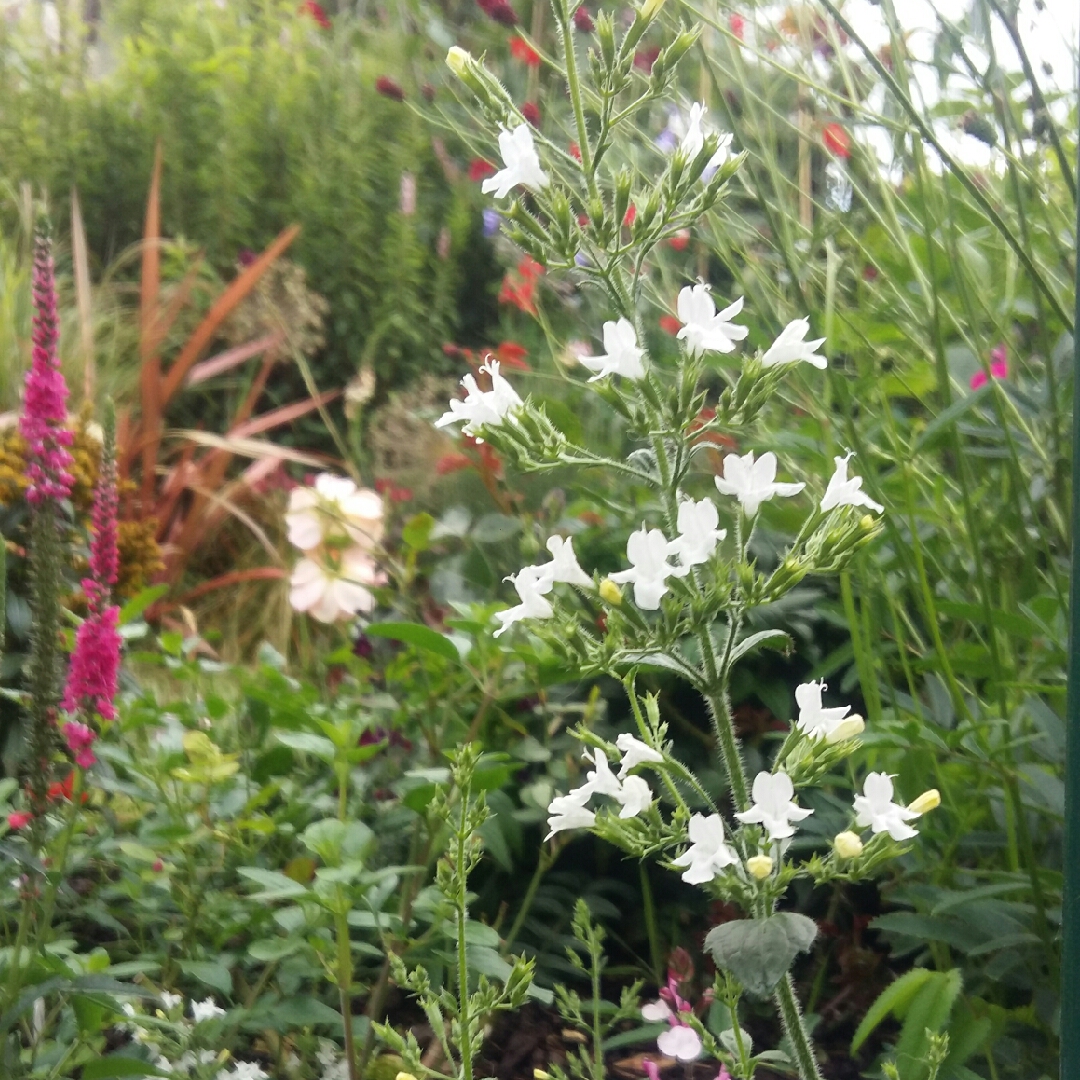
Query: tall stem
{"x": 462, "y": 955}
{"x": 788, "y": 1006}
{"x": 573, "y": 85}
{"x": 344, "y": 976}
{"x": 56, "y": 872}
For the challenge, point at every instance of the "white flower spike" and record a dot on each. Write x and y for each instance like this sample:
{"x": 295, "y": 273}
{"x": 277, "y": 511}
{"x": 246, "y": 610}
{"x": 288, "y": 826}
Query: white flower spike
{"x": 647, "y": 550}
{"x": 814, "y": 719}
{"x": 522, "y": 163}
{"x": 482, "y": 406}
{"x": 564, "y": 566}
{"x": 792, "y": 346}
{"x": 846, "y": 492}
{"x": 635, "y": 753}
{"x": 530, "y": 584}
{"x": 704, "y": 329}
{"x": 569, "y": 812}
{"x": 698, "y": 534}
{"x": 753, "y": 482}
{"x": 875, "y": 807}
{"x": 773, "y": 808}
{"x": 707, "y": 854}
{"x": 623, "y": 357}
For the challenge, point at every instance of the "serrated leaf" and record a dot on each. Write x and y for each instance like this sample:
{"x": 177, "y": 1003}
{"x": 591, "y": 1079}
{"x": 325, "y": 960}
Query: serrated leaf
{"x": 759, "y": 952}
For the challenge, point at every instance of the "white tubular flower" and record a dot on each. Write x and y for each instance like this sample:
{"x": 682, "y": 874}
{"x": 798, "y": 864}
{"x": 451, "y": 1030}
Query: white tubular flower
{"x": 694, "y": 139}
{"x": 564, "y": 566}
{"x": 680, "y": 1042}
{"x": 623, "y": 356}
{"x": 334, "y": 510}
{"x": 331, "y": 592}
{"x": 773, "y": 808}
{"x": 753, "y": 482}
{"x": 482, "y": 406}
{"x": 792, "y": 346}
{"x": 205, "y": 1010}
{"x": 569, "y": 812}
{"x": 844, "y": 492}
{"x": 522, "y": 163}
{"x": 814, "y": 719}
{"x": 634, "y": 753}
{"x": 704, "y": 329}
{"x": 875, "y": 807}
{"x": 600, "y": 780}
{"x": 635, "y": 796}
{"x": 698, "y": 534}
{"x": 723, "y": 152}
{"x": 707, "y": 854}
{"x": 647, "y": 550}
{"x": 531, "y": 583}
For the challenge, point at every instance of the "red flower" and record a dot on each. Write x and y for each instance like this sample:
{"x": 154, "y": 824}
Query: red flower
{"x": 157, "y": 866}
{"x": 583, "y": 220}
{"x": 630, "y": 215}
{"x": 529, "y": 268}
{"x": 449, "y": 463}
{"x": 64, "y": 789}
{"x": 645, "y": 58}
{"x": 388, "y": 88}
{"x": 670, "y": 325}
{"x": 400, "y": 494}
{"x": 500, "y": 11}
{"x": 583, "y": 21}
{"x": 512, "y": 354}
{"x": 531, "y": 112}
{"x": 870, "y": 273}
{"x": 19, "y": 819}
{"x": 575, "y": 151}
{"x": 738, "y": 25}
{"x": 680, "y": 240}
{"x": 479, "y": 169}
{"x": 315, "y": 10}
{"x": 521, "y": 50}
{"x": 836, "y": 139}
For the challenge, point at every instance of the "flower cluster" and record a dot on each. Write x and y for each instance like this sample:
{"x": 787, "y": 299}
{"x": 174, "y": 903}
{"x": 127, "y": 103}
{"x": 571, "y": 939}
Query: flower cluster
{"x": 336, "y": 526}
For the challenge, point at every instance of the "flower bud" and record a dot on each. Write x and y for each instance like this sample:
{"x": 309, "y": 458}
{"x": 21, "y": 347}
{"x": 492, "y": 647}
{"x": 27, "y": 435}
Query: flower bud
{"x": 866, "y": 522}
{"x": 760, "y": 866}
{"x": 651, "y": 8}
{"x": 846, "y": 729}
{"x": 847, "y": 845}
{"x": 610, "y": 592}
{"x": 404, "y": 1076}
{"x": 927, "y": 801}
{"x": 539, "y": 1074}
{"x": 458, "y": 60}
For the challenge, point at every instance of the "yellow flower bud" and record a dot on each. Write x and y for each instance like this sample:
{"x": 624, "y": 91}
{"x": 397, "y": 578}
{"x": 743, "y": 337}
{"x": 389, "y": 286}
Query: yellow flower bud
{"x": 848, "y": 845}
{"x": 610, "y": 592}
{"x": 760, "y": 866}
{"x": 458, "y": 60}
{"x": 846, "y": 729}
{"x": 866, "y": 522}
{"x": 539, "y": 1074}
{"x": 651, "y": 8}
{"x": 404, "y": 1076}
{"x": 927, "y": 801}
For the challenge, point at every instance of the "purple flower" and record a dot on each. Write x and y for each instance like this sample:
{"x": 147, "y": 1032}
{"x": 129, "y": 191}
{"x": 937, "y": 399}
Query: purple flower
{"x": 492, "y": 221}
{"x": 667, "y": 141}
{"x": 581, "y": 259}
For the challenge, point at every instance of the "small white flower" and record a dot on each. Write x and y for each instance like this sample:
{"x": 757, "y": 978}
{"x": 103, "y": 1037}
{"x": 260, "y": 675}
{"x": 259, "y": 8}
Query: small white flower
{"x": 247, "y": 1070}
{"x": 814, "y": 719}
{"x": 723, "y": 152}
{"x": 680, "y": 1042}
{"x": 531, "y": 584}
{"x": 844, "y": 492}
{"x": 482, "y": 406}
{"x": 704, "y": 329}
{"x": 707, "y": 854}
{"x": 128, "y": 1009}
{"x": 564, "y": 566}
{"x": 655, "y": 1011}
{"x": 623, "y": 356}
{"x": 635, "y": 796}
{"x": 328, "y": 592}
{"x": 522, "y": 163}
{"x": 205, "y": 1010}
{"x": 792, "y": 346}
{"x": 694, "y": 139}
{"x": 698, "y": 534}
{"x": 875, "y": 808}
{"x": 334, "y": 509}
{"x": 600, "y": 780}
{"x": 569, "y": 812}
{"x": 773, "y": 808}
{"x": 753, "y": 482}
{"x": 634, "y": 753}
{"x": 164, "y": 1064}
{"x": 647, "y": 550}
{"x": 169, "y": 1001}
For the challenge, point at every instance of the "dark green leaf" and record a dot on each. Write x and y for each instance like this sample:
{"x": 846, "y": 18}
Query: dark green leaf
{"x": 423, "y": 637}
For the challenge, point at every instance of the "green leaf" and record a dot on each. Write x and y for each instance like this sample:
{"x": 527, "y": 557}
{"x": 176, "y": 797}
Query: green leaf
{"x": 759, "y": 952}
{"x": 275, "y": 886}
{"x": 308, "y": 743}
{"x": 139, "y": 603}
{"x": 423, "y": 637}
{"x": 274, "y": 948}
{"x": 416, "y": 532}
{"x": 763, "y": 639}
{"x": 297, "y": 1012}
{"x": 895, "y": 998}
{"x": 210, "y": 973}
{"x": 929, "y": 1011}
{"x": 119, "y": 1065}
{"x": 494, "y": 528}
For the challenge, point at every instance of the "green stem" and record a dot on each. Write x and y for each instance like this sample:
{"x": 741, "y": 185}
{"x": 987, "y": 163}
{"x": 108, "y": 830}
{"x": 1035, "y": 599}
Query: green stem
{"x": 788, "y": 1006}
{"x": 344, "y": 980}
{"x": 543, "y": 864}
{"x": 650, "y": 924}
{"x": 573, "y": 85}
{"x": 56, "y": 874}
{"x": 462, "y": 955}
{"x": 597, "y": 1026}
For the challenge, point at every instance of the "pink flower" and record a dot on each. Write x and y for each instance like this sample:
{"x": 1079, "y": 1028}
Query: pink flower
{"x": 651, "y": 1070}
{"x": 19, "y": 819}
{"x": 999, "y": 367}
{"x": 46, "y": 393}
{"x": 95, "y": 666}
{"x": 80, "y": 740}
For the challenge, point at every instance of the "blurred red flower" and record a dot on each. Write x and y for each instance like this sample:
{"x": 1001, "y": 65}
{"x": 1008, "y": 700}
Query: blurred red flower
{"x": 521, "y": 50}
{"x": 315, "y": 10}
{"x": 388, "y": 88}
{"x": 531, "y": 112}
{"x": 583, "y": 20}
{"x": 479, "y": 169}
{"x": 836, "y": 139}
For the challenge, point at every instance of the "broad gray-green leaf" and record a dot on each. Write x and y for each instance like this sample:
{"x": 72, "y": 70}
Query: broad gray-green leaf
{"x": 759, "y": 952}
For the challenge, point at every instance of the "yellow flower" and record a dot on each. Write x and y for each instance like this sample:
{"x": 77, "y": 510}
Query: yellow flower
{"x": 848, "y": 845}
{"x": 760, "y": 866}
{"x": 927, "y": 801}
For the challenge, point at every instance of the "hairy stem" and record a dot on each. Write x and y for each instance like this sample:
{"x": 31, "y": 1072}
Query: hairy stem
{"x": 788, "y": 1007}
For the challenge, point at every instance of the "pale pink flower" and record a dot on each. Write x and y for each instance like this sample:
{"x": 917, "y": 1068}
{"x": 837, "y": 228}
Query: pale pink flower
{"x": 334, "y": 511}
{"x": 329, "y": 592}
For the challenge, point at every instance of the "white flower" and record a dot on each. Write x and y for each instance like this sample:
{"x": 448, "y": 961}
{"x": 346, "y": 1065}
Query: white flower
{"x": 875, "y": 808}
{"x": 164, "y": 1064}
{"x": 707, "y": 854}
{"x": 694, "y": 139}
{"x": 752, "y": 482}
{"x": 569, "y": 812}
{"x": 680, "y": 1042}
{"x": 245, "y": 1070}
{"x": 635, "y": 796}
{"x": 791, "y": 346}
{"x": 531, "y": 583}
{"x": 844, "y": 492}
{"x": 698, "y": 534}
{"x": 655, "y": 1011}
{"x": 704, "y": 329}
{"x": 635, "y": 753}
{"x": 482, "y": 406}
{"x": 522, "y": 163}
{"x": 50, "y": 24}
{"x": 623, "y": 356}
{"x": 128, "y": 1009}
{"x": 170, "y": 1001}
{"x": 564, "y": 566}
{"x": 600, "y": 780}
{"x": 328, "y": 592}
{"x": 334, "y": 509}
{"x": 647, "y": 550}
{"x": 773, "y": 808}
{"x": 723, "y": 152}
{"x": 205, "y": 1010}
{"x": 815, "y": 720}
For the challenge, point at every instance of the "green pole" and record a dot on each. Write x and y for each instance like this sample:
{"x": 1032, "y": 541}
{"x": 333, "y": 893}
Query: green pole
{"x": 1070, "y": 898}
